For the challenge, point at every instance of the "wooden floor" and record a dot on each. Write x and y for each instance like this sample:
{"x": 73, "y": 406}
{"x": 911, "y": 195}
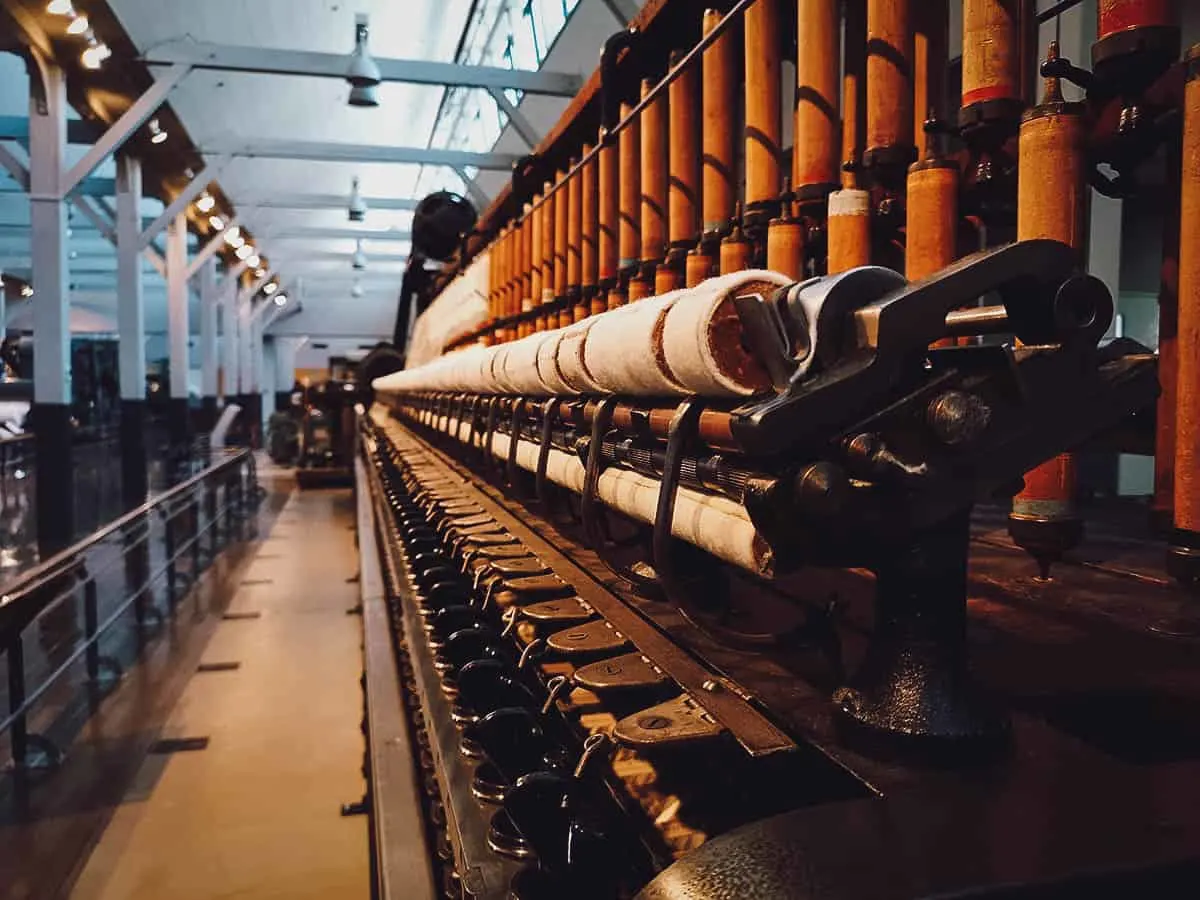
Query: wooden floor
{"x": 256, "y": 814}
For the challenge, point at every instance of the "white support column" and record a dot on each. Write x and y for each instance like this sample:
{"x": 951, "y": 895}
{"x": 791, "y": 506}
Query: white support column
{"x": 51, "y": 317}
{"x": 177, "y": 327}
{"x": 131, "y": 314}
{"x": 286, "y": 349}
{"x": 209, "y": 304}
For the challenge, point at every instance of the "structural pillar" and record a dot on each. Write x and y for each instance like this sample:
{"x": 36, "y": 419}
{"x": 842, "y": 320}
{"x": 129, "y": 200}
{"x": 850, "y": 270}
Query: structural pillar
{"x": 178, "y": 426}
{"x": 51, "y": 318}
{"x": 209, "y": 303}
{"x": 229, "y": 340}
{"x": 131, "y": 328}
{"x": 285, "y": 370}
{"x": 250, "y": 414}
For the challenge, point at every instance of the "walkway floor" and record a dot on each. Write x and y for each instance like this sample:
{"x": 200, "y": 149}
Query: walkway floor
{"x": 255, "y": 814}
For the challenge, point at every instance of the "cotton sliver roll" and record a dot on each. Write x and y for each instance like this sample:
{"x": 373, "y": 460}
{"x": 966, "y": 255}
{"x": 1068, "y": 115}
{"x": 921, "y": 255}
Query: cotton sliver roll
{"x": 571, "y": 363}
{"x": 623, "y": 350}
{"x": 547, "y": 363}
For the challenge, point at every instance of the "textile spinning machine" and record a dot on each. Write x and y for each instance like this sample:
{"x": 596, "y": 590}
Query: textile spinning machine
{"x": 683, "y": 495}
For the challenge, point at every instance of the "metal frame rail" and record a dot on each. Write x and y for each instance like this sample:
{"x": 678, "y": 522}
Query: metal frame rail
{"x": 214, "y": 503}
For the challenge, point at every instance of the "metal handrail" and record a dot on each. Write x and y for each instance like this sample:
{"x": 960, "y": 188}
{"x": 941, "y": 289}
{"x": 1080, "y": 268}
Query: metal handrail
{"x": 57, "y": 565}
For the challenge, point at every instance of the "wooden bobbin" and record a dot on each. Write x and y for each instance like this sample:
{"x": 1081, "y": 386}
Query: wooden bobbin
{"x": 607, "y": 261}
{"x": 640, "y": 287}
{"x": 616, "y": 297}
{"x": 931, "y": 19}
{"x": 763, "y": 59}
{"x": 931, "y": 220}
{"x": 734, "y": 253}
{"x": 849, "y": 230}
{"x": 698, "y": 267}
{"x": 854, "y": 74}
{"x": 1050, "y": 204}
{"x": 815, "y": 148}
{"x": 1118, "y": 15}
{"x": 535, "y": 258}
{"x": 574, "y": 231}
{"x": 588, "y": 265}
{"x": 502, "y": 264}
{"x": 785, "y": 244}
{"x": 653, "y": 122}
{"x": 630, "y": 192}
{"x": 1187, "y": 397}
{"x": 991, "y": 55}
{"x": 561, "y": 234}
{"x": 548, "y": 258}
{"x": 889, "y": 78}
{"x": 719, "y": 102}
{"x": 666, "y": 279}
{"x": 526, "y": 268}
{"x": 684, "y": 175}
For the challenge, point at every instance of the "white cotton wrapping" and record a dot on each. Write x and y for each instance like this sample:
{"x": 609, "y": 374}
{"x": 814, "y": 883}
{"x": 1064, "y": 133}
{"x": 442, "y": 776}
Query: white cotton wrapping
{"x": 572, "y": 365}
{"x": 701, "y": 337}
{"x": 623, "y": 350}
{"x": 547, "y": 363}
{"x": 516, "y": 366}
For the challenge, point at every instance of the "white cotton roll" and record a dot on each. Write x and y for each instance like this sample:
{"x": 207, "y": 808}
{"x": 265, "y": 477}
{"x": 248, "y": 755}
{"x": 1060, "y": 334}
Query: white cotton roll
{"x": 622, "y": 351}
{"x": 520, "y": 367}
{"x": 702, "y": 342}
{"x": 547, "y": 363}
{"x": 571, "y": 363}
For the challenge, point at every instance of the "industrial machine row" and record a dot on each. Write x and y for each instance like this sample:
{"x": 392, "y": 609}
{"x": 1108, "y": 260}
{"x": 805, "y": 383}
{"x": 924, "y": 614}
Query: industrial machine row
{"x": 684, "y": 490}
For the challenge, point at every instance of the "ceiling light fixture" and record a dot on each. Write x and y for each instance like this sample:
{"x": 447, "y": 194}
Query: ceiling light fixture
{"x": 26, "y": 291}
{"x": 157, "y": 134}
{"x": 206, "y": 202}
{"x": 358, "y": 206}
{"x": 78, "y": 25}
{"x": 260, "y": 272}
{"x": 245, "y": 251}
{"x": 60, "y": 8}
{"x": 95, "y": 53}
{"x": 232, "y": 235}
{"x": 359, "y": 260}
{"x": 356, "y": 289}
{"x": 363, "y": 73}
{"x": 281, "y": 300}
{"x": 217, "y": 223}
{"x": 253, "y": 262}
{"x": 270, "y": 289}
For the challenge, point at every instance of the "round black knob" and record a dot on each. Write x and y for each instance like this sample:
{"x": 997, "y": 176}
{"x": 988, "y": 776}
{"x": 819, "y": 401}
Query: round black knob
{"x": 486, "y": 685}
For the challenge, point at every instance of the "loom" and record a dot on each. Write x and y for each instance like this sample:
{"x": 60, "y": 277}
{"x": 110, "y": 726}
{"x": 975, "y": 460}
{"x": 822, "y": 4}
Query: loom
{"x": 689, "y": 584}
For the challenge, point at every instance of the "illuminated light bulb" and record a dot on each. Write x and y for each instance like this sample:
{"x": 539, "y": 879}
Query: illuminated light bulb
{"x": 95, "y": 54}
{"x": 60, "y": 8}
{"x": 270, "y": 289}
{"x": 26, "y": 291}
{"x": 157, "y": 134}
{"x": 78, "y": 25}
{"x": 281, "y": 300}
{"x": 233, "y": 235}
{"x": 260, "y": 272}
{"x": 244, "y": 251}
{"x": 253, "y": 262}
{"x": 206, "y": 202}
{"x": 217, "y": 223}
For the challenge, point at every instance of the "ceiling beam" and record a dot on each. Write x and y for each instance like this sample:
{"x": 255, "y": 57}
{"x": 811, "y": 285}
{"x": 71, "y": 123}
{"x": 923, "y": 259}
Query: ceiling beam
{"x": 79, "y": 131}
{"x": 313, "y": 151}
{"x": 336, "y": 234}
{"x": 324, "y": 201}
{"x": 233, "y": 58}
{"x": 92, "y": 187}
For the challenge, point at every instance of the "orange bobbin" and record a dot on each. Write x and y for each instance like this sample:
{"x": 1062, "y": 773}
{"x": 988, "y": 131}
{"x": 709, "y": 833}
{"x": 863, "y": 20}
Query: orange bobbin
{"x": 889, "y": 136}
{"x": 931, "y": 223}
{"x": 848, "y": 229}
{"x": 630, "y": 193}
{"x": 684, "y": 181}
{"x": 735, "y": 249}
{"x": 815, "y": 148}
{"x": 588, "y": 267}
{"x": 1050, "y": 195}
{"x": 1113, "y": 16}
{"x": 654, "y": 179}
{"x": 763, "y": 59}
{"x": 930, "y": 22}
{"x": 697, "y": 267}
{"x": 574, "y": 243}
{"x": 667, "y": 278}
{"x": 535, "y": 260}
{"x": 502, "y": 284}
{"x": 561, "y": 241}
{"x": 492, "y": 295}
{"x": 615, "y": 297}
{"x": 991, "y": 57}
{"x": 526, "y": 268}
{"x": 719, "y": 102}
{"x": 785, "y": 243}
{"x": 640, "y": 287}
{"x": 607, "y": 259}
{"x": 543, "y": 319}
{"x": 1184, "y": 558}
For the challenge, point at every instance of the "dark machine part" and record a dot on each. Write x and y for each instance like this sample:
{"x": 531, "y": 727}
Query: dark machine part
{"x": 440, "y": 222}
{"x": 877, "y": 700}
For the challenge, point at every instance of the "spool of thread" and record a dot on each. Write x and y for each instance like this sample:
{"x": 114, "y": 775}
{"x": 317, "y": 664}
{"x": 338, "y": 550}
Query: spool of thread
{"x": 684, "y": 181}
{"x": 889, "y": 76}
{"x": 561, "y": 234}
{"x": 1050, "y": 193}
{"x": 527, "y": 267}
{"x": 548, "y": 259}
{"x": 630, "y": 192}
{"x": 599, "y": 303}
{"x": 931, "y": 225}
{"x": 719, "y": 101}
{"x": 763, "y": 58}
{"x": 815, "y": 148}
{"x": 502, "y": 265}
{"x": 930, "y": 24}
{"x": 574, "y": 231}
{"x": 785, "y": 245}
{"x": 616, "y": 297}
{"x": 848, "y": 230}
{"x": 854, "y": 41}
{"x": 654, "y": 174}
{"x": 590, "y": 223}
{"x": 1187, "y": 397}
{"x": 640, "y": 288}
{"x": 666, "y": 279}
{"x": 697, "y": 267}
{"x": 535, "y": 258}
{"x": 734, "y": 252}
{"x": 1118, "y": 15}
{"x": 991, "y": 56}
{"x": 608, "y": 258}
